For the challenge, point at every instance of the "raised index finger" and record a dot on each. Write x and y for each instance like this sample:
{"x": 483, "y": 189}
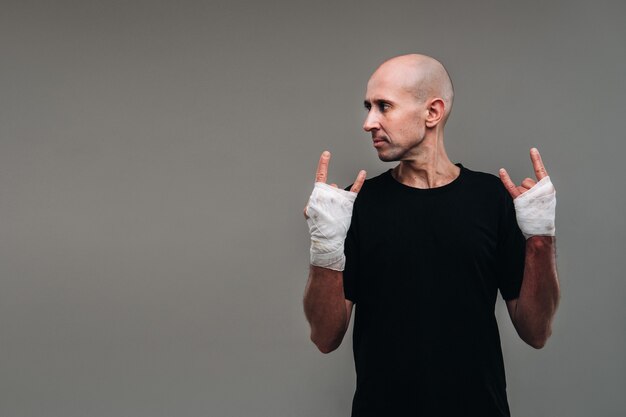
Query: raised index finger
{"x": 322, "y": 167}
{"x": 540, "y": 170}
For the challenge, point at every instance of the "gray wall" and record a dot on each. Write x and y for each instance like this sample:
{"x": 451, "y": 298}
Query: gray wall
{"x": 155, "y": 158}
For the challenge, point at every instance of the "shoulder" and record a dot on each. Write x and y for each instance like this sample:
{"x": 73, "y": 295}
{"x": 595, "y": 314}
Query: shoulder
{"x": 374, "y": 192}
{"x": 483, "y": 182}
{"x": 373, "y": 184}
{"x": 480, "y": 177}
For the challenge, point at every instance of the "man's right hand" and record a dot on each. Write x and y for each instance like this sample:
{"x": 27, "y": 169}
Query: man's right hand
{"x": 328, "y": 215}
{"x": 322, "y": 176}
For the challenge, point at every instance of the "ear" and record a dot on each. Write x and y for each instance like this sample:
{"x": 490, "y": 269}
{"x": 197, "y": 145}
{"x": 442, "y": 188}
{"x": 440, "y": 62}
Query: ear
{"x": 435, "y": 112}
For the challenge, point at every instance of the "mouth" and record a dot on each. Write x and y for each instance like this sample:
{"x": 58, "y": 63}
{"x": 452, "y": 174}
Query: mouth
{"x": 378, "y": 142}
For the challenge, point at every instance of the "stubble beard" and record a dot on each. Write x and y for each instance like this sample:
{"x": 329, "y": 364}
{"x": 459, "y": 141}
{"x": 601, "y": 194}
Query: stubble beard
{"x": 395, "y": 154}
{"x": 388, "y": 158}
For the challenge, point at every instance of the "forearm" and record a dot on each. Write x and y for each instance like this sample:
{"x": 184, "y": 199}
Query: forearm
{"x": 539, "y": 295}
{"x": 325, "y": 307}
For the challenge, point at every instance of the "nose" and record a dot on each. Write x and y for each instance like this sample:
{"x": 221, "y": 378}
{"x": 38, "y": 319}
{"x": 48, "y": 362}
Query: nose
{"x": 371, "y": 121}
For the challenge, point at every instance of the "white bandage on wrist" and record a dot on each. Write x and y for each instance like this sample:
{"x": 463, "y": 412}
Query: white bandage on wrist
{"x": 330, "y": 212}
{"x": 535, "y": 209}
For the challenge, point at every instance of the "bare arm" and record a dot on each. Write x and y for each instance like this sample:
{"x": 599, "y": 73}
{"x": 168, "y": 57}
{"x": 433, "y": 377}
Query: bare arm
{"x": 532, "y": 313}
{"x": 326, "y": 308}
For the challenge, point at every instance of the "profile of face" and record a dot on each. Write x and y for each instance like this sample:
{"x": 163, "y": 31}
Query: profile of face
{"x": 395, "y": 118}
{"x": 403, "y": 103}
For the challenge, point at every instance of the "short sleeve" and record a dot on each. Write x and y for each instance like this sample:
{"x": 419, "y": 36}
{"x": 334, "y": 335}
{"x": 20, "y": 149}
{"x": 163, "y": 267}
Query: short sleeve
{"x": 350, "y": 271}
{"x": 511, "y": 251}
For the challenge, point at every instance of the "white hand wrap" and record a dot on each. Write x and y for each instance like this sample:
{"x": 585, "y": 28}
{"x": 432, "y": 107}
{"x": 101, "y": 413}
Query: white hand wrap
{"x": 535, "y": 209}
{"x": 330, "y": 213}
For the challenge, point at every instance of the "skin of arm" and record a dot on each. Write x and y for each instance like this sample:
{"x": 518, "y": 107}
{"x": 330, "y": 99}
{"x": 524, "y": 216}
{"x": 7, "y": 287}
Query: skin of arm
{"x": 326, "y": 309}
{"x": 533, "y": 311}
{"x": 325, "y": 306}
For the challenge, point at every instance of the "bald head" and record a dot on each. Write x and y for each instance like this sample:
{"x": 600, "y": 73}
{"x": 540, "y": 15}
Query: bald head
{"x": 421, "y": 75}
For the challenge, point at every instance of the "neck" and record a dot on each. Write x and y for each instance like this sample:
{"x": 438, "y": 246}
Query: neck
{"x": 427, "y": 167}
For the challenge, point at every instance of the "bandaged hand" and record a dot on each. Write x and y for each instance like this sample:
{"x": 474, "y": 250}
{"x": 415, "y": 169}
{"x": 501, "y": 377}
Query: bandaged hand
{"x": 328, "y": 214}
{"x": 535, "y": 202}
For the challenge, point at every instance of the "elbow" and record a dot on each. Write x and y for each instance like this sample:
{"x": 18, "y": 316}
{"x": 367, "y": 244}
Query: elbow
{"x": 534, "y": 330}
{"x": 537, "y": 344}
{"x": 326, "y": 345}
{"x": 326, "y": 348}
{"x": 538, "y": 341}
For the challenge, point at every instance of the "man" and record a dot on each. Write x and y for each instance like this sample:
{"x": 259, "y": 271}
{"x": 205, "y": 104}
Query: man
{"x": 428, "y": 244}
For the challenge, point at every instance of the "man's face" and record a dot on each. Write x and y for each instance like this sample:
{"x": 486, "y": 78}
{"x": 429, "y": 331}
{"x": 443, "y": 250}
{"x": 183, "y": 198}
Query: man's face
{"x": 395, "y": 117}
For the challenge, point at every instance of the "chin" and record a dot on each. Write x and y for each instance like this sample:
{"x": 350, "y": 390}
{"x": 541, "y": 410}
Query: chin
{"x": 385, "y": 157}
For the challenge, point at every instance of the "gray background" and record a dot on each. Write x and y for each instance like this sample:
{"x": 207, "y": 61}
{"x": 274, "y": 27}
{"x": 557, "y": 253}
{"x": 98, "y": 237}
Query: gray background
{"x": 156, "y": 156}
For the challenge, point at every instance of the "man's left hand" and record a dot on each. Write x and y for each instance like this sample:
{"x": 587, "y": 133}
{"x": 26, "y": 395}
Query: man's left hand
{"x": 528, "y": 183}
{"x": 535, "y": 201}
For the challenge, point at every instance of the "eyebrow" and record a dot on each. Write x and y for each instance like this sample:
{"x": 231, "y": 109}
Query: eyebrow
{"x": 367, "y": 103}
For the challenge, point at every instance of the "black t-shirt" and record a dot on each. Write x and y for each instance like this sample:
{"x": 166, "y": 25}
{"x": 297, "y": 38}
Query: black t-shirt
{"x": 423, "y": 267}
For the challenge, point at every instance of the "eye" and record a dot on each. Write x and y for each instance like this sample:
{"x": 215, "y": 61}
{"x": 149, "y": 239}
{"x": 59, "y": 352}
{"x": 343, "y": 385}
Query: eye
{"x": 383, "y": 107}
{"x": 367, "y": 106}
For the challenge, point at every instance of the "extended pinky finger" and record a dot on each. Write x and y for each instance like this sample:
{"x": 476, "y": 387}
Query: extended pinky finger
{"x": 360, "y": 179}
